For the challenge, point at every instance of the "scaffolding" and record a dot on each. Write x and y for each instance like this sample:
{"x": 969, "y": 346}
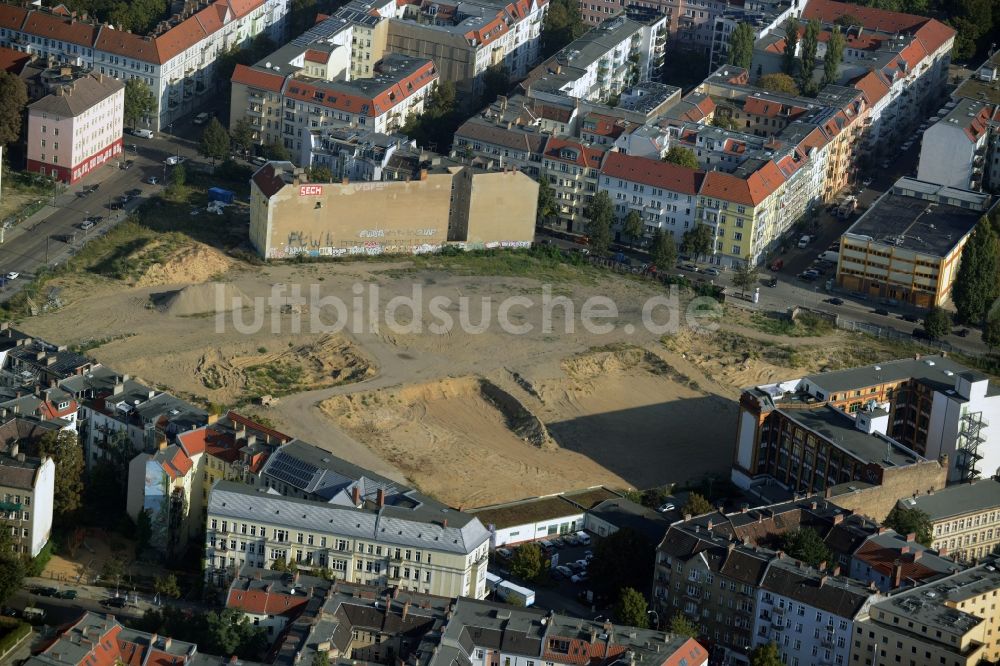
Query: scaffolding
{"x": 970, "y": 437}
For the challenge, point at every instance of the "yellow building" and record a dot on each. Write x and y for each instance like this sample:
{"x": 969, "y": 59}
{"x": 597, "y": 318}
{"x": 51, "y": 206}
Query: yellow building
{"x": 908, "y": 245}
{"x": 952, "y": 621}
{"x": 429, "y": 202}
{"x": 965, "y": 518}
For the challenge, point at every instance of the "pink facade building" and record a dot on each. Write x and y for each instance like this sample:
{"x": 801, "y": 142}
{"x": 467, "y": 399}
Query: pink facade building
{"x": 76, "y": 128}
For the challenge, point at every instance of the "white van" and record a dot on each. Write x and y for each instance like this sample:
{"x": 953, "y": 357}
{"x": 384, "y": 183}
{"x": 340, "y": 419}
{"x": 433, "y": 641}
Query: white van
{"x": 583, "y": 538}
{"x": 804, "y": 241}
{"x": 143, "y": 133}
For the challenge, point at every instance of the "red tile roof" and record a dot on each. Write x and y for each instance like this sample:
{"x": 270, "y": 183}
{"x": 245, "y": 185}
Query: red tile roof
{"x": 381, "y": 103}
{"x": 268, "y": 180}
{"x": 585, "y": 156}
{"x": 254, "y": 425}
{"x": 873, "y": 87}
{"x": 312, "y": 55}
{"x": 12, "y": 17}
{"x": 44, "y": 24}
{"x": 12, "y": 61}
{"x": 255, "y": 78}
{"x": 883, "y": 559}
{"x": 604, "y": 125}
{"x": 668, "y": 176}
{"x": 763, "y": 106}
{"x": 932, "y": 33}
{"x": 747, "y": 191}
{"x": 691, "y": 652}
{"x": 262, "y": 602}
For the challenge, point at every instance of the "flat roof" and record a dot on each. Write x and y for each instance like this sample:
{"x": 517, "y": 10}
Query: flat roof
{"x": 976, "y": 88}
{"x": 958, "y": 500}
{"x": 537, "y": 509}
{"x": 927, "y": 223}
{"x": 839, "y": 428}
{"x": 934, "y": 370}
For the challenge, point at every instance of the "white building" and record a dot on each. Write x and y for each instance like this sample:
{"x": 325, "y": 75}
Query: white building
{"x": 176, "y": 61}
{"x": 954, "y": 149}
{"x": 664, "y": 194}
{"x": 809, "y": 614}
{"x": 26, "y": 495}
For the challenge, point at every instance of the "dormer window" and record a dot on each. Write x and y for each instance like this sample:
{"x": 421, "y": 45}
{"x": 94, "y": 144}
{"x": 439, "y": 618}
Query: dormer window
{"x": 568, "y": 154}
{"x": 63, "y": 405}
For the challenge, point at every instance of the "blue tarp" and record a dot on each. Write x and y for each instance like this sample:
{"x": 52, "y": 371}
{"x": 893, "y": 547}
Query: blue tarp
{"x": 219, "y": 194}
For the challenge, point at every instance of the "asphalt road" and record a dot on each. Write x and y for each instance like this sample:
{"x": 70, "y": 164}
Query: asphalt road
{"x": 50, "y": 236}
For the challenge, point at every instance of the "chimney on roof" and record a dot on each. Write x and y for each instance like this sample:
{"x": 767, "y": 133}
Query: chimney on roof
{"x": 406, "y": 608}
{"x": 380, "y": 498}
{"x": 911, "y": 537}
{"x": 356, "y": 496}
{"x": 812, "y": 505}
{"x": 709, "y": 526}
{"x": 838, "y": 519}
{"x": 423, "y": 174}
{"x": 822, "y": 566}
{"x": 883, "y": 530}
{"x": 167, "y": 642}
{"x": 836, "y": 571}
{"x": 904, "y": 550}
{"x": 13, "y": 450}
{"x": 444, "y": 523}
{"x": 943, "y": 551}
{"x": 212, "y": 419}
{"x": 822, "y": 580}
{"x": 897, "y": 573}
{"x": 917, "y": 554}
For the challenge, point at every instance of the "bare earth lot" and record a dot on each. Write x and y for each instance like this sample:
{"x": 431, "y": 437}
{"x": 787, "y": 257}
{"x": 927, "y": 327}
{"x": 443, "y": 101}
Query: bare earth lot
{"x": 472, "y": 418}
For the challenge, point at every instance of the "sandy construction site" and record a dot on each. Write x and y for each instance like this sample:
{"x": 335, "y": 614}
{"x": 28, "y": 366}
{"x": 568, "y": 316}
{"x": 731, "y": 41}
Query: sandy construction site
{"x": 470, "y": 417}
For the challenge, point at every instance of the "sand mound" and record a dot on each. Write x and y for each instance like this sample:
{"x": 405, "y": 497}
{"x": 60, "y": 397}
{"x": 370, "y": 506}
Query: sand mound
{"x": 200, "y": 299}
{"x": 193, "y": 264}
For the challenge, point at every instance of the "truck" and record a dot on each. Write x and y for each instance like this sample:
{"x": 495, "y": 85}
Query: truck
{"x": 493, "y": 581}
{"x": 511, "y": 593}
{"x": 830, "y": 255}
{"x": 847, "y": 206}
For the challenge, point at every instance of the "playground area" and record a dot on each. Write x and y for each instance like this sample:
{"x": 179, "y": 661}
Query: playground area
{"x": 85, "y": 555}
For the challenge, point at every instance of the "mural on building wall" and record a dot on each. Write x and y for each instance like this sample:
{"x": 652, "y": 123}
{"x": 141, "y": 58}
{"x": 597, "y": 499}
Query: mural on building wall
{"x": 155, "y": 496}
{"x": 369, "y": 242}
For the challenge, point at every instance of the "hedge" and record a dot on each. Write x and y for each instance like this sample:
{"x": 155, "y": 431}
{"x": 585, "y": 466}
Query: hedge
{"x": 16, "y": 630}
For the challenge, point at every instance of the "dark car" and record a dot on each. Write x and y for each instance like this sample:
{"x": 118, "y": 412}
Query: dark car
{"x": 962, "y": 332}
{"x": 116, "y": 205}
{"x": 44, "y": 591}
{"x": 94, "y": 218}
{"x": 127, "y": 164}
{"x": 921, "y": 334}
{"x": 881, "y": 311}
{"x": 66, "y": 594}
{"x": 913, "y": 319}
{"x": 771, "y": 282}
{"x": 835, "y": 301}
{"x": 134, "y": 193}
{"x": 115, "y": 602}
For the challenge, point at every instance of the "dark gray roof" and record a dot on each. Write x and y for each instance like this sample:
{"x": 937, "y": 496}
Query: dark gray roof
{"x": 958, "y": 500}
{"x": 16, "y": 473}
{"x": 930, "y": 368}
{"x": 840, "y": 429}
{"x": 833, "y": 594}
{"x": 623, "y": 513}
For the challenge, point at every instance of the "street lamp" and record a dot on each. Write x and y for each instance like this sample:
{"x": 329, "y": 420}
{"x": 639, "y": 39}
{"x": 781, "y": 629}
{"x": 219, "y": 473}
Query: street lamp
{"x": 656, "y": 617}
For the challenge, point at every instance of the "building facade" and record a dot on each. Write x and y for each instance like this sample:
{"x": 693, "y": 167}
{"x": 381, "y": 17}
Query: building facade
{"x": 76, "y": 128}
{"x": 965, "y": 518}
{"x": 27, "y": 485}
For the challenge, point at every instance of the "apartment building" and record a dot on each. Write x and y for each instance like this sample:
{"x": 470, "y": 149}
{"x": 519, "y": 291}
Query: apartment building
{"x": 176, "y": 61}
{"x": 172, "y": 483}
{"x": 295, "y": 109}
{"x": 965, "y": 516}
{"x": 376, "y": 624}
{"x": 27, "y": 485}
{"x": 764, "y": 18}
{"x": 949, "y": 621}
{"x": 76, "y": 128}
{"x": 893, "y": 561}
{"x": 422, "y": 202}
{"x": 982, "y": 86}
{"x": 908, "y": 245}
{"x": 375, "y": 533}
{"x": 809, "y": 614}
{"x": 572, "y": 169}
{"x": 604, "y": 61}
{"x": 953, "y": 151}
{"x": 515, "y": 147}
{"x": 664, "y": 194}
{"x": 464, "y": 39}
{"x": 357, "y": 154}
{"x": 872, "y": 425}
{"x": 98, "y": 638}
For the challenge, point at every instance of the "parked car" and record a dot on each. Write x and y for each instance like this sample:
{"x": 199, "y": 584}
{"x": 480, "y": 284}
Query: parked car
{"x": 201, "y": 118}
{"x": 558, "y": 542}
{"x": 152, "y": 180}
{"x": 910, "y": 318}
{"x": 143, "y": 133}
{"x": 575, "y": 567}
{"x": 505, "y": 553}
{"x": 127, "y": 164}
{"x": 689, "y": 267}
{"x": 116, "y": 205}
{"x": 113, "y": 602}
{"x": 771, "y": 282}
{"x": 571, "y": 540}
{"x": 962, "y": 332}
{"x": 258, "y": 161}
{"x": 881, "y": 311}
{"x": 711, "y": 271}
{"x": 564, "y": 570}
{"x": 13, "y": 275}
{"x": 44, "y": 591}
{"x": 175, "y": 159}
{"x": 581, "y": 577}
{"x": 66, "y": 594}
{"x": 583, "y": 563}
{"x": 134, "y": 192}
{"x": 666, "y": 506}
{"x": 835, "y": 301}
{"x": 94, "y": 218}
{"x": 86, "y": 225}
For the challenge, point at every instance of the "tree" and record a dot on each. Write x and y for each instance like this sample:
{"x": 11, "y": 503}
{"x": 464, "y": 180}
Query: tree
{"x": 848, "y": 20}
{"x": 810, "y": 45}
{"x": 915, "y": 521}
{"x": 834, "y": 56}
{"x": 937, "y": 323}
{"x": 13, "y": 98}
{"x": 631, "y": 609}
{"x": 320, "y": 174}
{"x": 633, "y": 226}
{"x": 806, "y": 544}
{"x": 766, "y": 655}
{"x": 496, "y": 82}
{"x": 241, "y": 136}
{"x": 698, "y": 241}
{"x": 991, "y": 332}
{"x": 788, "y": 61}
{"x": 724, "y": 121}
{"x": 778, "y": 82}
{"x": 745, "y": 277}
{"x": 139, "y": 101}
{"x": 623, "y": 559}
{"x": 682, "y": 156}
{"x": 697, "y": 505}
{"x": 976, "y": 286}
{"x": 680, "y": 625}
{"x": 526, "y": 562}
{"x": 321, "y": 658}
{"x": 741, "y": 45}
{"x": 11, "y": 565}
{"x": 663, "y": 250}
{"x": 167, "y": 586}
{"x": 231, "y": 632}
{"x": 143, "y": 531}
{"x": 178, "y": 176}
{"x": 276, "y": 151}
{"x": 547, "y": 206}
{"x": 563, "y": 23}
{"x": 600, "y": 214}
{"x": 214, "y": 141}
{"x": 67, "y": 455}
